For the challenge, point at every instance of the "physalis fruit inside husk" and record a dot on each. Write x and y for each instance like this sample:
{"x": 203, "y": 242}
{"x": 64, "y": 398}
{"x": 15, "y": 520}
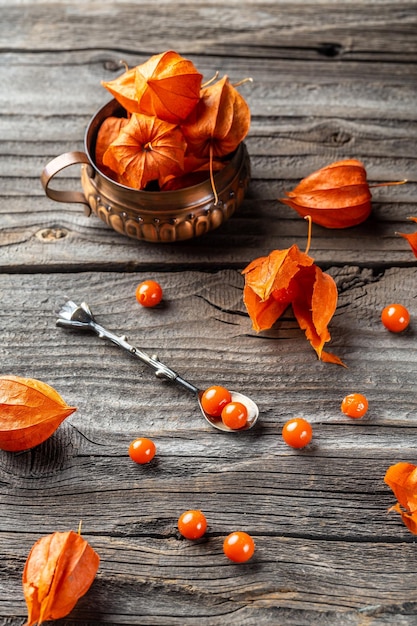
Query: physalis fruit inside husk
{"x": 290, "y": 277}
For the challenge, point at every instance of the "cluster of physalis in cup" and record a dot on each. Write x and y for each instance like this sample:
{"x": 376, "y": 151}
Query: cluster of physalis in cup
{"x": 177, "y": 130}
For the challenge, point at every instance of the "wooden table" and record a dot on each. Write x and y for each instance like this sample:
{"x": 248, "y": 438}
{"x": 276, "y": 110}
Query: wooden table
{"x": 331, "y": 81}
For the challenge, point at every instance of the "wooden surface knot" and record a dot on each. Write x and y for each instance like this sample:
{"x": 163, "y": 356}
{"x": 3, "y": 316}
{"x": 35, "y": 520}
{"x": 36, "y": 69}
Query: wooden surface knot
{"x": 51, "y": 234}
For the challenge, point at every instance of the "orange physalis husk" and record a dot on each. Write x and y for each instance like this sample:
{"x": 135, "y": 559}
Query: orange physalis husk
{"x": 220, "y": 121}
{"x": 287, "y": 277}
{"x": 411, "y": 238}
{"x": 107, "y": 133}
{"x": 59, "y": 570}
{"x": 402, "y": 478}
{"x": 30, "y": 411}
{"x": 167, "y": 86}
{"x": 336, "y": 196}
{"x": 145, "y": 150}
{"x": 218, "y": 124}
{"x": 195, "y": 171}
{"x": 123, "y": 88}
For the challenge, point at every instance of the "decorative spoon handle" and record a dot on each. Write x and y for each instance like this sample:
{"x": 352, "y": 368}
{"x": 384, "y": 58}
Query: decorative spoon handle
{"x": 74, "y": 316}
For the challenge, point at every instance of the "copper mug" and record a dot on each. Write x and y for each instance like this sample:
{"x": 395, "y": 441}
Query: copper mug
{"x": 157, "y": 216}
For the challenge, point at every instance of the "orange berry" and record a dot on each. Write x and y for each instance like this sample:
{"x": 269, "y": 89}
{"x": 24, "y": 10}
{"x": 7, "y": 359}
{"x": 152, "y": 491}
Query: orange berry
{"x": 395, "y": 317}
{"x": 214, "y": 399}
{"x": 239, "y": 546}
{"x": 297, "y": 432}
{"x": 234, "y": 415}
{"x": 149, "y": 293}
{"x": 142, "y": 450}
{"x": 354, "y": 405}
{"x": 192, "y": 524}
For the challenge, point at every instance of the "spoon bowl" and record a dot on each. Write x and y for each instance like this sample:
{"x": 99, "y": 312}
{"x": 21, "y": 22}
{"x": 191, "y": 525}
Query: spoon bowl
{"x": 72, "y": 315}
{"x": 251, "y": 407}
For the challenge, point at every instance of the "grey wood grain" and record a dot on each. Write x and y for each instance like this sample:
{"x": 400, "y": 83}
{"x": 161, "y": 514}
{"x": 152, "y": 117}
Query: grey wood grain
{"x": 331, "y": 81}
{"x": 353, "y": 29}
{"x": 326, "y": 547}
{"x": 309, "y": 108}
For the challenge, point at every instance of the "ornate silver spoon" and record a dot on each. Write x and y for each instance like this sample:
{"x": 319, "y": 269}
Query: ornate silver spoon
{"x": 72, "y": 315}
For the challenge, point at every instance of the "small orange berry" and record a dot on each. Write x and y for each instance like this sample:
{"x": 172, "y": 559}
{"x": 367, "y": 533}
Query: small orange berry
{"x": 354, "y": 405}
{"x": 395, "y": 317}
{"x": 297, "y": 432}
{"x": 192, "y": 524}
{"x": 142, "y": 450}
{"x": 149, "y": 293}
{"x": 239, "y": 546}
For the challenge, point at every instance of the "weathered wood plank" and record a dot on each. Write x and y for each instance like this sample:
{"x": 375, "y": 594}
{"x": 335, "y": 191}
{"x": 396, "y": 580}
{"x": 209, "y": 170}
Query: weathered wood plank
{"x": 35, "y": 237}
{"x": 353, "y": 29}
{"x": 204, "y": 325}
{"x": 291, "y": 135}
{"x": 158, "y": 574}
{"x": 298, "y": 505}
{"x": 280, "y": 87}
{"x": 331, "y": 81}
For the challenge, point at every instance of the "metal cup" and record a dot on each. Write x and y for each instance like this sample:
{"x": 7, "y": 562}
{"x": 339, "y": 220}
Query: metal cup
{"x": 156, "y": 216}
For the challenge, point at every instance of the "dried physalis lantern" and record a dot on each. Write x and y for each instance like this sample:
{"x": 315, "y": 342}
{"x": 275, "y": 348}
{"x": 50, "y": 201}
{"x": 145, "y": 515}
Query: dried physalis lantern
{"x": 123, "y": 89}
{"x": 335, "y": 196}
{"x": 290, "y": 277}
{"x": 30, "y": 411}
{"x": 146, "y": 149}
{"x": 402, "y": 478}
{"x": 411, "y": 237}
{"x": 107, "y": 133}
{"x": 166, "y": 86}
{"x": 59, "y": 570}
{"x": 195, "y": 171}
{"x": 218, "y": 124}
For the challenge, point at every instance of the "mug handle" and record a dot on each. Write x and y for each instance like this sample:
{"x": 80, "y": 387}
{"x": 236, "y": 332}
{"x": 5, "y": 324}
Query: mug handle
{"x": 55, "y": 166}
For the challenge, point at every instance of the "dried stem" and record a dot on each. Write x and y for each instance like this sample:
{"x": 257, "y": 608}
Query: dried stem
{"x": 243, "y": 81}
{"x": 391, "y": 184}
{"x": 213, "y": 186}
{"x": 310, "y": 226}
{"x": 210, "y": 81}
{"x": 124, "y": 64}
